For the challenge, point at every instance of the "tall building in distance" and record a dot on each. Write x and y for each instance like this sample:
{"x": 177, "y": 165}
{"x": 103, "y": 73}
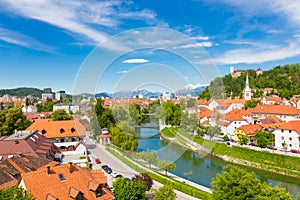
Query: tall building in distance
{"x": 47, "y": 94}
{"x": 247, "y": 90}
{"x": 60, "y": 95}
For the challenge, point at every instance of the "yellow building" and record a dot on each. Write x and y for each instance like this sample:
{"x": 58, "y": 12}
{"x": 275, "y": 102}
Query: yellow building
{"x": 246, "y": 130}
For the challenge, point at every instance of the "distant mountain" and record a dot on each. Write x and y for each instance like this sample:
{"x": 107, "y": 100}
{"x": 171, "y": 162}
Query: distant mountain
{"x": 192, "y": 91}
{"x": 102, "y": 94}
{"x": 130, "y": 94}
{"x": 22, "y": 92}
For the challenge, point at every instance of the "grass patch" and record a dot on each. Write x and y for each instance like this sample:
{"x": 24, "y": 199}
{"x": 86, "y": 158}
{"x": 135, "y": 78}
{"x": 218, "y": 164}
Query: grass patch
{"x": 169, "y": 132}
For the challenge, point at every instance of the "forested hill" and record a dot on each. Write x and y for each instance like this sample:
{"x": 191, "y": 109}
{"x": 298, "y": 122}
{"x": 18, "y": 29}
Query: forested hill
{"x": 286, "y": 79}
{"x": 22, "y": 92}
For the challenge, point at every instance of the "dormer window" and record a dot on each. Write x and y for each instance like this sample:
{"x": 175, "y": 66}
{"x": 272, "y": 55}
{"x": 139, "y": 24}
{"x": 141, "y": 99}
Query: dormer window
{"x": 72, "y": 130}
{"x": 62, "y": 130}
{"x": 44, "y": 131}
{"x": 98, "y": 192}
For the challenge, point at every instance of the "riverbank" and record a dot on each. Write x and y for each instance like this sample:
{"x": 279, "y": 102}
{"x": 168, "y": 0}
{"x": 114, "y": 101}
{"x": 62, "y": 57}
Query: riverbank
{"x": 274, "y": 163}
{"x": 178, "y": 183}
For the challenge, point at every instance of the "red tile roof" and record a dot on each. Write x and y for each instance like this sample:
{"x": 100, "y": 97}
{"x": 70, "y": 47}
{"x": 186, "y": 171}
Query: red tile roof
{"x": 276, "y": 109}
{"x": 43, "y": 183}
{"x": 292, "y": 125}
{"x": 250, "y": 129}
{"x": 59, "y": 129}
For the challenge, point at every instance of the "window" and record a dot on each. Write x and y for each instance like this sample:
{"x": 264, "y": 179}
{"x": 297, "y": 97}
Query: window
{"x": 61, "y": 177}
{"x": 62, "y": 130}
{"x": 98, "y": 192}
{"x": 44, "y": 131}
{"x": 282, "y": 138}
{"x": 72, "y": 130}
{"x": 290, "y": 139}
{"x": 282, "y": 130}
{"x": 290, "y": 145}
{"x": 290, "y": 131}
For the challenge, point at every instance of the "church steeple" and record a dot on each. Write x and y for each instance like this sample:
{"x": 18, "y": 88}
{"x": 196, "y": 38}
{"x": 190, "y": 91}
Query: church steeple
{"x": 247, "y": 90}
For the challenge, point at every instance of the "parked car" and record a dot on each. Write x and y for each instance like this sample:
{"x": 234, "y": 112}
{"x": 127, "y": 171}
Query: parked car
{"x": 294, "y": 151}
{"x": 252, "y": 144}
{"x": 272, "y": 147}
{"x": 107, "y": 169}
{"x": 97, "y": 160}
{"x": 228, "y": 143}
{"x": 116, "y": 175}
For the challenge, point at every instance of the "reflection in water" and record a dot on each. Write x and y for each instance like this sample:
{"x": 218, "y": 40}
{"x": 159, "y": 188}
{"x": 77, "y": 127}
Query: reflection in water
{"x": 193, "y": 167}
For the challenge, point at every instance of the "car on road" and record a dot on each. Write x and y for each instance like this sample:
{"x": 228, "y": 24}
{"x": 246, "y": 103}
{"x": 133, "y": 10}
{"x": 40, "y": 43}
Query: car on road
{"x": 252, "y": 144}
{"x": 294, "y": 151}
{"x": 116, "y": 175}
{"x": 272, "y": 147}
{"x": 228, "y": 143}
{"x": 97, "y": 160}
{"x": 107, "y": 169}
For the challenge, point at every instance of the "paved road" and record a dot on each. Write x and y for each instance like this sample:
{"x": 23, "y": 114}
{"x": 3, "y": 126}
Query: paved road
{"x": 98, "y": 151}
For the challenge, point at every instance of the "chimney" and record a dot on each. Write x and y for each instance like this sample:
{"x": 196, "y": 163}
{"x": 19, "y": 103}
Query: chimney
{"x": 70, "y": 167}
{"x": 48, "y": 170}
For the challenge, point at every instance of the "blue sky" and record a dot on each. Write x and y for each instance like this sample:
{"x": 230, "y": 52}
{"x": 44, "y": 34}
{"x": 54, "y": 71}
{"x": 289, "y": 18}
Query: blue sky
{"x": 47, "y": 43}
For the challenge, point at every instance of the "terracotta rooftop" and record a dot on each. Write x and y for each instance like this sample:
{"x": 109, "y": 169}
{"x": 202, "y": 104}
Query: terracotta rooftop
{"x": 292, "y": 125}
{"x": 250, "y": 129}
{"x": 11, "y": 168}
{"x": 67, "y": 182}
{"x": 276, "y": 109}
{"x": 59, "y": 129}
{"x": 271, "y": 120}
{"x": 28, "y": 143}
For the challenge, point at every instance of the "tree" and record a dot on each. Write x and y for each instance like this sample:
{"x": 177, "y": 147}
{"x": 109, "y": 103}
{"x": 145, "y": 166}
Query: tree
{"x": 125, "y": 127}
{"x": 213, "y": 130}
{"x": 95, "y": 127}
{"x": 298, "y": 196}
{"x": 166, "y": 165}
{"x": 15, "y": 193}
{"x": 135, "y": 113}
{"x": 150, "y": 156}
{"x": 237, "y": 183}
{"x": 11, "y": 120}
{"x": 261, "y": 139}
{"x": 129, "y": 190}
{"x": 144, "y": 177}
{"x": 165, "y": 192}
{"x": 251, "y": 104}
{"x": 242, "y": 139}
{"x": 60, "y": 115}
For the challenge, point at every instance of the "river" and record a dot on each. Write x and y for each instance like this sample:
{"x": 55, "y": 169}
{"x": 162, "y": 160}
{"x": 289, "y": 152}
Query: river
{"x": 201, "y": 170}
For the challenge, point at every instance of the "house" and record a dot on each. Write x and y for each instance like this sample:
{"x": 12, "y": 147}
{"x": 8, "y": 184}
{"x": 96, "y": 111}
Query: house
{"x": 12, "y": 168}
{"x": 29, "y": 109}
{"x": 288, "y": 135}
{"x": 67, "y": 181}
{"x": 230, "y": 122}
{"x": 60, "y": 131}
{"x": 29, "y": 142}
{"x": 47, "y": 94}
{"x": 247, "y": 130}
{"x": 60, "y": 95}
{"x": 70, "y": 107}
{"x": 105, "y": 138}
{"x": 285, "y": 113}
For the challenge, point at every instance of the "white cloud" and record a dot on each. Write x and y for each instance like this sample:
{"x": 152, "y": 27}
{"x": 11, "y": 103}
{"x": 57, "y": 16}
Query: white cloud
{"x": 199, "y": 44}
{"x": 83, "y": 17}
{"x": 122, "y": 72}
{"x": 191, "y": 86}
{"x": 252, "y": 56}
{"x": 19, "y": 39}
{"x": 200, "y": 38}
{"x": 136, "y": 60}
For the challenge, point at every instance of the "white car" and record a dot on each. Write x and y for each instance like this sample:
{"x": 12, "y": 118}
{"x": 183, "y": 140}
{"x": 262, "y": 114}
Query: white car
{"x": 116, "y": 175}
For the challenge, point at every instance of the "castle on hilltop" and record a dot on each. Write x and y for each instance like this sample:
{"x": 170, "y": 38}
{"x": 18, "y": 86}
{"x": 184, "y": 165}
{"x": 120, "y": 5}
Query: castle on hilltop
{"x": 237, "y": 73}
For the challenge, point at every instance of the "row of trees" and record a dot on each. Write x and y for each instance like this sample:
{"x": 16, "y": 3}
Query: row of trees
{"x": 283, "y": 78}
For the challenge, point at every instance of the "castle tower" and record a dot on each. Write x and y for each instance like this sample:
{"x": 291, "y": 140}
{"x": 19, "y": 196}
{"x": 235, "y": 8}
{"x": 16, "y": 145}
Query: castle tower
{"x": 247, "y": 90}
{"x": 231, "y": 70}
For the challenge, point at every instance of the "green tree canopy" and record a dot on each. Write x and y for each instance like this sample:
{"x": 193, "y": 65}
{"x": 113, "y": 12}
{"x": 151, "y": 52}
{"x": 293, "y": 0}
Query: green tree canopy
{"x": 145, "y": 178}
{"x": 15, "y": 193}
{"x": 11, "y": 120}
{"x": 129, "y": 190}
{"x": 237, "y": 183}
{"x": 60, "y": 115}
{"x": 165, "y": 192}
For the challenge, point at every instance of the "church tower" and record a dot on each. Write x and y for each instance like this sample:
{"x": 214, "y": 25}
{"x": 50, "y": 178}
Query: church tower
{"x": 247, "y": 90}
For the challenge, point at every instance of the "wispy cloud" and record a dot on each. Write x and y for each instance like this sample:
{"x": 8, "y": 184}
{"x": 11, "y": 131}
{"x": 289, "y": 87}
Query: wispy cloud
{"x": 19, "y": 39}
{"x": 191, "y": 86}
{"x": 200, "y": 38}
{"x": 199, "y": 44}
{"x": 122, "y": 72}
{"x": 86, "y": 18}
{"x": 136, "y": 60}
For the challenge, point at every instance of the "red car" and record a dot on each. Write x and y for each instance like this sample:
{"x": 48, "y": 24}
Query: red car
{"x": 97, "y": 160}
{"x": 252, "y": 144}
{"x": 294, "y": 151}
